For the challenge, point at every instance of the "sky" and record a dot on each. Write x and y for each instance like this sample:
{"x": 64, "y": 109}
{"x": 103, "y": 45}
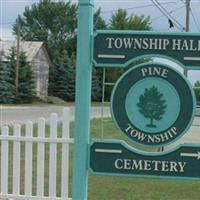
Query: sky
{"x": 10, "y": 9}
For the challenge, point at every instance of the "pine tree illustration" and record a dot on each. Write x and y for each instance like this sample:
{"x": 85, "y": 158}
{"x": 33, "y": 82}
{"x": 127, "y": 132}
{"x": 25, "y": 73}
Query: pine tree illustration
{"x": 152, "y": 105}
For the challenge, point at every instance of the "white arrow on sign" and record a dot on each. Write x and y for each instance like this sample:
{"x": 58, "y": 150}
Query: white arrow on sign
{"x": 197, "y": 155}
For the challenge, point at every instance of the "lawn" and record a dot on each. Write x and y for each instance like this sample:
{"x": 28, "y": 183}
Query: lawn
{"x": 198, "y": 111}
{"x": 114, "y": 188}
{"x": 123, "y": 188}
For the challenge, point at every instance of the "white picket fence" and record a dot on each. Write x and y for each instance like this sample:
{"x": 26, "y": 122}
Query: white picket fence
{"x": 25, "y": 164}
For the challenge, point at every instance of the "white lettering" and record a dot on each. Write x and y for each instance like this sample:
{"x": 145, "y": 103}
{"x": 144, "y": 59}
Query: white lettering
{"x": 119, "y": 164}
{"x": 137, "y": 164}
{"x": 110, "y": 42}
{"x": 150, "y": 165}
{"x": 147, "y": 165}
{"x": 176, "y": 44}
{"x": 158, "y": 71}
{"x": 182, "y": 165}
{"x": 128, "y": 42}
{"x": 118, "y": 43}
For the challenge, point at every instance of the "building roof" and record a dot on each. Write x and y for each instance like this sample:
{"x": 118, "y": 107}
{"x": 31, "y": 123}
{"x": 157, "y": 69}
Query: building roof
{"x": 29, "y": 47}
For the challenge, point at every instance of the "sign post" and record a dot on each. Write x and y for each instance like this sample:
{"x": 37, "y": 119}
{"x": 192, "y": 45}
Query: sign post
{"x": 83, "y": 99}
{"x": 153, "y": 111}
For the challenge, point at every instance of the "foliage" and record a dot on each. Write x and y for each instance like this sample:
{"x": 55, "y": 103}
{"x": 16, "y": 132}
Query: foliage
{"x": 121, "y": 21}
{"x": 99, "y": 22}
{"x": 26, "y": 87}
{"x": 197, "y": 90}
{"x": 63, "y": 80}
{"x": 71, "y": 76}
{"x": 6, "y": 87}
{"x": 52, "y": 22}
{"x": 152, "y": 105}
{"x": 55, "y": 23}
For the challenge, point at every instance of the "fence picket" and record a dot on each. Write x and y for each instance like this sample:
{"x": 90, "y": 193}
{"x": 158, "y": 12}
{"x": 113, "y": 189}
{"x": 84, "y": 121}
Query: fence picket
{"x": 16, "y": 161}
{"x": 40, "y": 158}
{"x": 28, "y": 160}
{"x": 53, "y": 156}
{"x": 65, "y": 153}
{"x": 40, "y": 140}
{"x": 4, "y": 162}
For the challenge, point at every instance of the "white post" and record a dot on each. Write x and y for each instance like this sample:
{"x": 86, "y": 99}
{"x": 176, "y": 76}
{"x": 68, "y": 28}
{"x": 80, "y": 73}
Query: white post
{"x": 52, "y": 156}
{"x": 16, "y": 161}
{"x": 4, "y": 162}
{"x": 28, "y": 160}
{"x": 65, "y": 154}
{"x": 40, "y": 158}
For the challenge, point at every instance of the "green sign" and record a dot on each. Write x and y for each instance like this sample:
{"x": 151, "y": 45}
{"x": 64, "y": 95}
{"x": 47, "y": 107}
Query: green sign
{"x": 117, "y": 158}
{"x": 119, "y": 48}
{"x": 153, "y": 104}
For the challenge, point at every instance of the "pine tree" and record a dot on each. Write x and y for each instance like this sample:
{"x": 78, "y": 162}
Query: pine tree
{"x": 60, "y": 76}
{"x": 11, "y": 65}
{"x": 6, "y": 88}
{"x": 71, "y": 77}
{"x": 152, "y": 105}
{"x": 53, "y": 73}
{"x": 64, "y": 77}
{"x": 26, "y": 87}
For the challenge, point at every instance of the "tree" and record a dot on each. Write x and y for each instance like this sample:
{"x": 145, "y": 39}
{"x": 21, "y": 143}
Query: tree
{"x": 26, "y": 87}
{"x": 197, "y": 90}
{"x": 11, "y": 66}
{"x": 152, "y": 105}
{"x": 122, "y": 21}
{"x": 52, "y": 22}
{"x": 71, "y": 77}
{"x": 55, "y": 23}
{"x": 99, "y": 22}
{"x": 63, "y": 81}
{"x": 6, "y": 88}
{"x": 61, "y": 71}
{"x": 26, "y": 84}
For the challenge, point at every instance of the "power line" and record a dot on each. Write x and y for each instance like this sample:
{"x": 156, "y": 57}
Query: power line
{"x": 132, "y": 8}
{"x": 172, "y": 11}
{"x": 168, "y": 15}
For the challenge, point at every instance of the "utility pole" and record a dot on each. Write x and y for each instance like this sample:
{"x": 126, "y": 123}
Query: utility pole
{"x": 187, "y": 19}
{"x": 17, "y": 62}
{"x": 187, "y": 24}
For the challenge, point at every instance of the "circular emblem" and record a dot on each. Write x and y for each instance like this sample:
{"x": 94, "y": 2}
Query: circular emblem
{"x": 153, "y": 104}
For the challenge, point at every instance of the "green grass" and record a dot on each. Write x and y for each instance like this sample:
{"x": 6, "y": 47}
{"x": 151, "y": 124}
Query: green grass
{"x": 123, "y": 188}
{"x": 198, "y": 111}
{"x": 107, "y": 187}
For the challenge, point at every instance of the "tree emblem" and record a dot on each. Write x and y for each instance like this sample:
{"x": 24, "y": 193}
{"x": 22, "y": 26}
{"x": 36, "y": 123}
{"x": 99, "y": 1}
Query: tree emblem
{"x": 152, "y": 105}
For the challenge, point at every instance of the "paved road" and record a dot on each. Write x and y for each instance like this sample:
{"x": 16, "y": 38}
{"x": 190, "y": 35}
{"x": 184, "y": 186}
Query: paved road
{"x": 13, "y": 115}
